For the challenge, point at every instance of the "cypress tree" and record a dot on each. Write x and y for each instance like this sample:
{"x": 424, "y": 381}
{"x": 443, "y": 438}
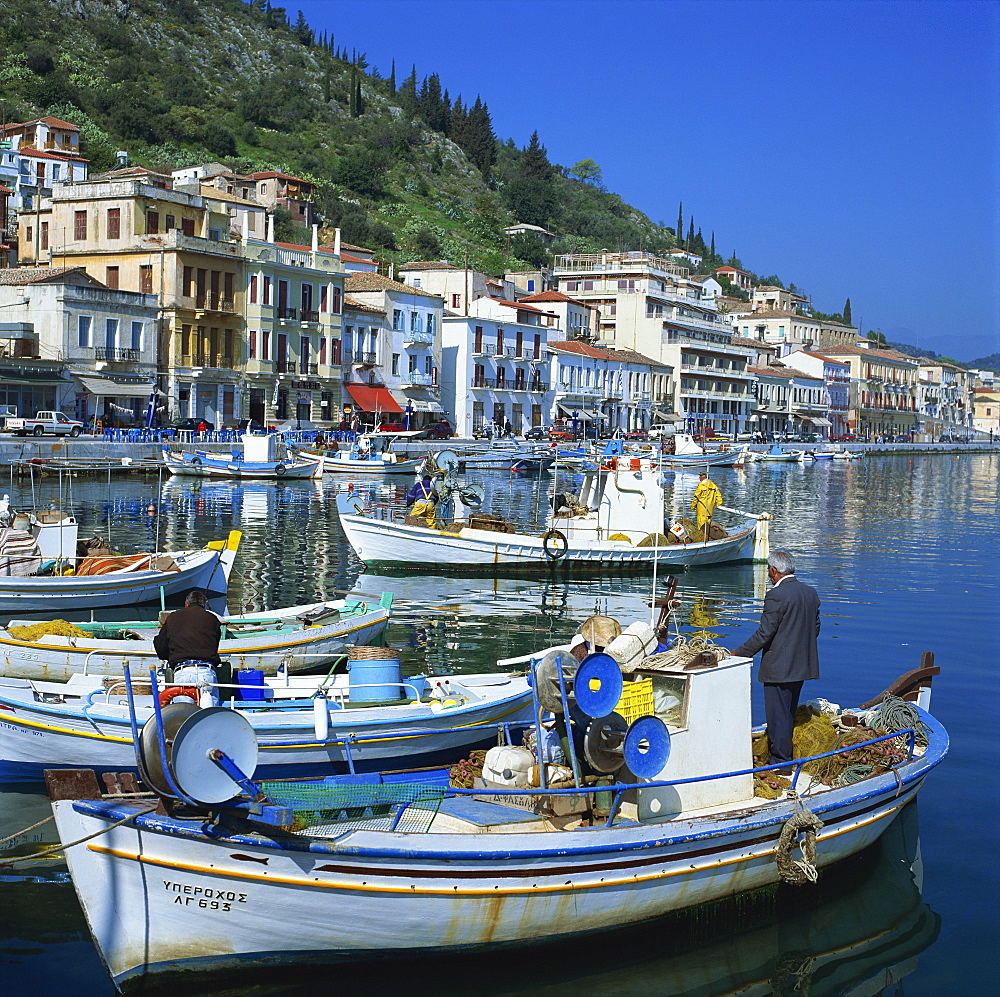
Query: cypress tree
{"x": 690, "y": 238}
{"x": 359, "y": 101}
{"x": 352, "y": 99}
{"x": 847, "y": 311}
{"x": 711, "y": 252}
{"x": 392, "y": 77}
{"x": 680, "y": 224}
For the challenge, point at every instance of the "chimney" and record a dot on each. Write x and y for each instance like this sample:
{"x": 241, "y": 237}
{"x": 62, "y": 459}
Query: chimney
{"x": 270, "y": 228}
{"x": 315, "y": 245}
{"x": 336, "y": 242}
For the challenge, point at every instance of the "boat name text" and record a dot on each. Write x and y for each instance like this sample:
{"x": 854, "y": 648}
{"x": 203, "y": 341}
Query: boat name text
{"x": 207, "y": 897}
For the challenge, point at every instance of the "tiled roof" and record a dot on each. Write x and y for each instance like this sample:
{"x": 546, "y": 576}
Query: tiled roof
{"x": 787, "y": 372}
{"x": 268, "y": 174}
{"x": 376, "y": 282}
{"x": 518, "y": 305}
{"x": 780, "y": 313}
{"x": 631, "y": 356}
{"x": 820, "y": 356}
{"x": 357, "y": 306}
{"x": 353, "y": 259}
{"x": 61, "y": 156}
{"x": 303, "y": 249}
{"x": 554, "y": 296}
{"x": 864, "y": 351}
{"x": 427, "y": 265}
{"x": 51, "y": 122}
{"x": 35, "y": 275}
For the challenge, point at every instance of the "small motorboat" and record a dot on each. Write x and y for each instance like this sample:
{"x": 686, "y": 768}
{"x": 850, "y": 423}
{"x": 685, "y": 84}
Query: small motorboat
{"x": 294, "y": 639}
{"x": 776, "y": 453}
{"x": 369, "y": 456}
{"x": 260, "y": 457}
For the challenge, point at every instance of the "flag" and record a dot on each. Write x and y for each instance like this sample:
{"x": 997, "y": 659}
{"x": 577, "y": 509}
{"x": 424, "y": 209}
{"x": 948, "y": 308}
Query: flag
{"x": 151, "y": 411}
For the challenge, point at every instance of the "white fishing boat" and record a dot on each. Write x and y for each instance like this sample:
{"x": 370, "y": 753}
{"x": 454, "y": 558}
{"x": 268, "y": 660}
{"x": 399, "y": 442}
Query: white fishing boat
{"x": 508, "y": 455}
{"x": 615, "y": 523}
{"x": 293, "y": 639}
{"x": 688, "y": 453}
{"x": 251, "y": 874}
{"x": 367, "y": 456}
{"x": 779, "y": 455}
{"x": 260, "y": 457}
{"x": 359, "y": 720}
{"x": 40, "y": 570}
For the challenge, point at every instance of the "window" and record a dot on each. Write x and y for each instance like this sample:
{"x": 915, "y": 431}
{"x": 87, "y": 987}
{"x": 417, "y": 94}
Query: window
{"x": 136, "y": 335}
{"x": 335, "y": 307}
{"x": 456, "y": 301}
{"x": 572, "y": 285}
{"x": 428, "y": 362}
{"x": 335, "y": 355}
{"x": 146, "y": 279}
{"x": 214, "y": 235}
{"x": 324, "y": 297}
{"x": 267, "y": 290}
{"x": 588, "y": 285}
{"x": 110, "y": 333}
{"x": 253, "y": 289}
{"x": 44, "y": 235}
{"x": 397, "y": 320}
{"x": 416, "y": 322}
{"x": 265, "y": 345}
{"x": 626, "y": 285}
{"x": 395, "y": 365}
{"x": 29, "y": 233}
{"x": 431, "y": 324}
{"x": 187, "y": 226}
{"x": 55, "y": 172}
{"x": 412, "y": 364}
{"x": 169, "y": 223}
{"x": 478, "y": 347}
{"x": 114, "y": 223}
{"x": 538, "y": 347}
{"x": 322, "y": 349}
{"x": 252, "y": 344}
{"x": 306, "y": 301}
{"x": 111, "y": 277}
{"x": 152, "y": 222}
{"x": 531, "y": 286}
{"x": 79, "y": 224}
{"x": 84, "y": 323}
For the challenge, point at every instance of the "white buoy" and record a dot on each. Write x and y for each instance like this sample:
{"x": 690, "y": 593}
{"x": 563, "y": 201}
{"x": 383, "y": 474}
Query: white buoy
{"x": 321, "y": 715}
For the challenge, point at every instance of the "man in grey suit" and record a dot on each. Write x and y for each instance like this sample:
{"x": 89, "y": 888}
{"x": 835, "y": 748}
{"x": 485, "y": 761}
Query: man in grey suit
{"x": 787, "y": 634}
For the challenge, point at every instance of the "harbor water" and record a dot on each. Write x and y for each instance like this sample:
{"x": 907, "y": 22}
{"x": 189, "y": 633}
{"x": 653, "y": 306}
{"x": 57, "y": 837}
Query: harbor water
{"x": 905, "y": 553}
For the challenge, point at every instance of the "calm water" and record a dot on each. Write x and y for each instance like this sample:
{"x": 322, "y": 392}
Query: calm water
{"x": 905, "y": 556}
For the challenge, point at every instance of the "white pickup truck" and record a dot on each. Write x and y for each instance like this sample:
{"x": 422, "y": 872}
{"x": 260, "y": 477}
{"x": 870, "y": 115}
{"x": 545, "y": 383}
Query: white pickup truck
{"x": 57, "y": 423}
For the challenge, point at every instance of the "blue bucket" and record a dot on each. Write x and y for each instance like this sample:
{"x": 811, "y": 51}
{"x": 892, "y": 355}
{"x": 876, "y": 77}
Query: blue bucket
{"x": 247, "y": 678}
{"x": 373, "y": 679}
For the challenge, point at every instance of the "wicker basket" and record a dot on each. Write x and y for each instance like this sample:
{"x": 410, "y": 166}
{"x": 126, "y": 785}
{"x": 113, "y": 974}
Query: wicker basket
{"x": 373, "y": 654}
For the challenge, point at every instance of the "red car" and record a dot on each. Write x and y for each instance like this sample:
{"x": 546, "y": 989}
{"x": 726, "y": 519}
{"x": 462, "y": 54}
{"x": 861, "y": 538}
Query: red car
{"x": 440, "y": 430}
{"x": 562, "y": 433}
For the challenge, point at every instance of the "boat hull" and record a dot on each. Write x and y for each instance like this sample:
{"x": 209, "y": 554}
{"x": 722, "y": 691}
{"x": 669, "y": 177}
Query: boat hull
{"x": 380, "y": 542}
{"x": 206, "y": 569}
{"x": 204, "y": 465}
{"x": 161, "y": 896}
{"x": 39, "y": 736}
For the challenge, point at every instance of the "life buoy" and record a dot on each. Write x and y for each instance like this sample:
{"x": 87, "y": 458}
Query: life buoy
{"x": 279, "y": 469}
{"x": 551, "y": 542}
{"x": 169, "y": 695}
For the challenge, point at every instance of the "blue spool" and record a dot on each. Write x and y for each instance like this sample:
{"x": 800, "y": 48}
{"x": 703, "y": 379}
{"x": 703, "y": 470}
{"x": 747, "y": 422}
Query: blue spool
{"x": 597, "y": 685}
{"x": 647, "y": 747}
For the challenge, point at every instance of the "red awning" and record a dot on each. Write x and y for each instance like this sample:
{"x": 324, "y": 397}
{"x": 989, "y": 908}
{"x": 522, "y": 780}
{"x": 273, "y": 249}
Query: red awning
{"x": 373, "y": 398}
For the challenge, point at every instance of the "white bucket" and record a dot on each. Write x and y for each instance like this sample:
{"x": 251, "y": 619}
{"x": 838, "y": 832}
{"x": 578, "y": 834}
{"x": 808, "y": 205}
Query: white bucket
{"x": 198, "y": 675}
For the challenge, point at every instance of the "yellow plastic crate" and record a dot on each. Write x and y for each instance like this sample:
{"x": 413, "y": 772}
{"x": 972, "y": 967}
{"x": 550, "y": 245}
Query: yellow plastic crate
{"x": 637, "y": 700}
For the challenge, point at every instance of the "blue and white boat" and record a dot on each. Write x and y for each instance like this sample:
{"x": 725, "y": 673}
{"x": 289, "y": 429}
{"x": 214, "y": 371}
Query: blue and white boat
{"x": 776, "y": 453}
{"x": 367, "y": 456}
{"x": 403, "y": 865}
{"x": 260, "y": 457}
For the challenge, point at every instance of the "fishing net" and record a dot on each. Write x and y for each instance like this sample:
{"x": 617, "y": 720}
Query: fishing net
{"x": 322, "y": 808}
{"x": 51, "y": 628}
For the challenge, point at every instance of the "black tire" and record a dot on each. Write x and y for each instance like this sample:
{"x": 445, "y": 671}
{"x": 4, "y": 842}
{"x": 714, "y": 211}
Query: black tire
{"x": 551, "y": 542}
{"x": 196, "y": 461}
{"x": 38, "y": 431}
{"x": 280, "y": 469}
{"x": 75, "y": 432}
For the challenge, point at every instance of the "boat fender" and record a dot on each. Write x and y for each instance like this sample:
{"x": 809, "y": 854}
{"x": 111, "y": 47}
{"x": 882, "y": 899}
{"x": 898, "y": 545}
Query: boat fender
{"x": 233, "y": 467}
{"x": 321, "y": 715}
{"x": 279, "y": 468}
{"x": 196, "y": 461}
{"x": 554, "y": 544}
{"x": 169, "y": 695}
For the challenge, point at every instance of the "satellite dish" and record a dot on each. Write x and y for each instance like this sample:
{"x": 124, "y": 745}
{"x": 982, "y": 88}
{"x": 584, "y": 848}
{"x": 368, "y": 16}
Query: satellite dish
{"x": 189, "y": 734}
{"x": 447, "y": 460}
{"x": 473, "y": 494}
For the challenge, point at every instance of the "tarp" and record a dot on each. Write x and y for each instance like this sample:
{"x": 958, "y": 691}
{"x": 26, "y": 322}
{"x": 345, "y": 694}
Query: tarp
{"x": 373, "y": 398}
{"x": 111, "y": 387}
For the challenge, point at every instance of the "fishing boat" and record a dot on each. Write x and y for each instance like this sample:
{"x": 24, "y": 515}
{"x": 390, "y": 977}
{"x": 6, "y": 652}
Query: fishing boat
{"x": 615, "y": 523}
{"x": 40, "y": 570}
{"x": 674, "y": 815}
{"x": 361, "y": 720}
{"x": 294, "y": 639}
{"x": 688, "y": 453}
{"x": 261, "y": 457}
{"x": 368, "y": 455}
{"x": 782, "y": 456}
{"x": 508, "y": 455}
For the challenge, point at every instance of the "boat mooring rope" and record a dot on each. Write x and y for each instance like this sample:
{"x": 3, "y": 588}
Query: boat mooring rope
{"x": 895, "y": 714}
{"x": 685, "y": 648}
{"x": 798, "y": 871}
{"x": 61, "y": 847}
{"x": 17, "y": 834}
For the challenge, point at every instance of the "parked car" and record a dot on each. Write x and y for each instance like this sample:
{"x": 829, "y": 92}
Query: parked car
{"x": 637, "y": 434}
{"x": 192, "y": 424}
{"x": 843, "y": 438}
{"x": 392, "y": 427}
{"x": 440, "y": 430}
{"x": 536, "y": 433}
{"x": 57, "y": 423}
{"x": 562, "y": 433}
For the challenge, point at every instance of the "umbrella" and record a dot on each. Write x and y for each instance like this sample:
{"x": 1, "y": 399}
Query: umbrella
{"x": 151, "y": 411}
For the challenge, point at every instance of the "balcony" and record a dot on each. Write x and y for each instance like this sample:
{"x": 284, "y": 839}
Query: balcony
{"x": 414, "y": 379}
{"x": 284, "y": 312}
{"x": 285, "y": 367}
{"x": 419, "y": 337}
{"x": 308, "y": 368}
{"x": 365, "y": 359}
{"x": 214, "y": 303}
{"x": 110, "y": 354}
{"x": 215, "y": 361}
{"x": 308, "y": 316}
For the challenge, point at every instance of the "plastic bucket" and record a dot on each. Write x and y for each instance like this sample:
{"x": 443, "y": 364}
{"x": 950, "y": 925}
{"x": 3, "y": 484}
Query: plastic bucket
{"x": 373, "y": 679}
{"x": 248, "y": 679}
{"x": 197, "y": 675}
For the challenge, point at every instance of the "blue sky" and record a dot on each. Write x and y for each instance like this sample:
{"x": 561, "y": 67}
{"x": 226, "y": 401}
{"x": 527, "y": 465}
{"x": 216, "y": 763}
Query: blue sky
{"x": 852, "y": 148}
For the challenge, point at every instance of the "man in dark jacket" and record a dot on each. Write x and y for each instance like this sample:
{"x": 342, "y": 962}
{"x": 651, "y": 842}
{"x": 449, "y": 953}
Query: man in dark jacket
{"x": 190, "y": 636}
{"x": 787, "y": 634}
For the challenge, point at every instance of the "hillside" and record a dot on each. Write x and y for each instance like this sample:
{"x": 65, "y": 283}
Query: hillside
{"x": 178, "y": 82}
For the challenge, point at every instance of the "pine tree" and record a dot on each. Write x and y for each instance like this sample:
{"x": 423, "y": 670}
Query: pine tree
{"x": 408, "y": 94}
{"x": 847, "y": 311}
{"x": 690, "y": 239}
{"x": 699, "y": 245}
{"x": 680, "y": 224}
{"x": 359, "y": 101}
{"x": 480, "y": 144}
{"x": 352, "y": 99}
{"x": 326, "y": 86}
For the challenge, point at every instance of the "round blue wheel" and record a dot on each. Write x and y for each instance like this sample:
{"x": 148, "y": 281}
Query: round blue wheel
{"x": 647, "y": 747}
{"x": 597, "y": 685}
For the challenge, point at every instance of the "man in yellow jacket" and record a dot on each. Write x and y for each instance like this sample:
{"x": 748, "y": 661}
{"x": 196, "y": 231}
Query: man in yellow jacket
{"x": 706, "y": 497}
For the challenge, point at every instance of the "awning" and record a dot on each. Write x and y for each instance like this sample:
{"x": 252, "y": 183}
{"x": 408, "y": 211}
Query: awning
{"x": 113, "y": 387}
{"x": 33, "y": 379}
{"x": 424, "y": 405}
{"x": 373, "y": 398}
{"x": 582, "y": 414}
{"x": 816, "y": 420}
{"x": 660, "y": 416}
